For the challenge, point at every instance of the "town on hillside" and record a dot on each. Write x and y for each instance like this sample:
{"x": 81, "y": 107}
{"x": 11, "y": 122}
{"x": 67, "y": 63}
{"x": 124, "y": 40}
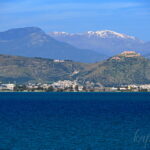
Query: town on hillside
{"x": 75, "y": 85}
{"x": 71, "y": 86}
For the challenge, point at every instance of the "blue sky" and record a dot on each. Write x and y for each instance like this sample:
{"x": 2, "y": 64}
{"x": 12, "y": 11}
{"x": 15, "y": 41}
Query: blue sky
{"x": 131, "y": 17}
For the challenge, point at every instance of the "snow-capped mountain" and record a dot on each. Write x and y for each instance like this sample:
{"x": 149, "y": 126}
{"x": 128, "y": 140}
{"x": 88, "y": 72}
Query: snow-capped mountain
{"x": 101, "y": 34}
{"x": 109, "y": 34}
{"x": 105, "y": 41}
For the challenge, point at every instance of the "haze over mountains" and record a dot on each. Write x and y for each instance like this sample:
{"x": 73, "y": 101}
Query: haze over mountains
{"x": 34, "y": 42}
{"x": 89, "y": 47}
{"x": 107, "y": 42}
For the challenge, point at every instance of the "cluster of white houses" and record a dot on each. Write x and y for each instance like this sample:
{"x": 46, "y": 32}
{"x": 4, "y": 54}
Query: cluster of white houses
{"x": 73, "y": 86}
{"x": 63, "y": 85}
{"x": 67, "y": 84}
{"x": 133, "y": 88}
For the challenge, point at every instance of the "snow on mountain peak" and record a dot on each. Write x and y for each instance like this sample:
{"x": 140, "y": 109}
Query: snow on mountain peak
{"x": 60, "y": 34}
{"x": 109, "y": 34}
{"x": 101, "y": 34}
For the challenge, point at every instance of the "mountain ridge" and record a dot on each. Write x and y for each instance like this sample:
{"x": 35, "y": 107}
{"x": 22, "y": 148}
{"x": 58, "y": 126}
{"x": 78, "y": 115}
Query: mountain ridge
{"x": 104, "y": 41}
{"x": 34, "y": 42}
{"x": 101, "y": 33}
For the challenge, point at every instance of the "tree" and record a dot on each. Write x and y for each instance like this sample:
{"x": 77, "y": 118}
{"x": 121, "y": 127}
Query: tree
{"x": 84, "y": 88}
{"x": 50, "y": 89}
{"x": 70, "y": 89}
{"x": 77, "y": 88}
{"x": 20, "y": 88}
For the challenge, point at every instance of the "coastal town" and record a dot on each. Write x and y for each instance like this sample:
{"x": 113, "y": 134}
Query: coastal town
{"x": 71, "y": 86}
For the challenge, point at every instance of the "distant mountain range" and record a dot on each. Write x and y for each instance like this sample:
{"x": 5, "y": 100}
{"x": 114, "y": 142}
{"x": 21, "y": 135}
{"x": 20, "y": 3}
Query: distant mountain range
{"x": 106, "y": 42}
{"x": 125, "y": 68}
{"x": 89, "y": 47}
{"x": 33, "y": 42}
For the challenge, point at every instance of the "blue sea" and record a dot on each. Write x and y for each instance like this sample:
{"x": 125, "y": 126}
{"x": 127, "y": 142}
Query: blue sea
{"x": 74, "y": 121}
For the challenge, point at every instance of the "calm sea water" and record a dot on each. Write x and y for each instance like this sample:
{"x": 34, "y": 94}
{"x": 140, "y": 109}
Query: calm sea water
{"x": 74, "y": 121}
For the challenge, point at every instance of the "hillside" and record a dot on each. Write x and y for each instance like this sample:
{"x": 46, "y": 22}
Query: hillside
{"x": 125, "y": 68}
{"x": 22, "y": 69}
{"x": 33, "y": 42}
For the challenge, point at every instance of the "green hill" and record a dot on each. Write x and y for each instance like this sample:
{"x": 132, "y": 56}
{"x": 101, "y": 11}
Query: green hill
{"x": 125, "y": 68}
{"x": 23, "y": 69}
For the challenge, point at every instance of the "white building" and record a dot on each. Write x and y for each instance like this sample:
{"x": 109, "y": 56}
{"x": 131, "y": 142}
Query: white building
{"x": 58, "y": 61}
{"x": 146, "y": 86}
{"x": 7, "y": 87}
